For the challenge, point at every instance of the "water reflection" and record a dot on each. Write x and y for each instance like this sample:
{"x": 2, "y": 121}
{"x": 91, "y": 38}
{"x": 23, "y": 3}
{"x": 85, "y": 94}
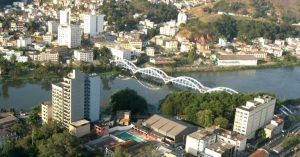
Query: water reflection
{"x": 284, "y": 82}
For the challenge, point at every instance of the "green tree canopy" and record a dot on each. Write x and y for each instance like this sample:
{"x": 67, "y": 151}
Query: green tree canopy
{"x": 128, "y": 99}
{"x": 222, "y": 122}
{"x": 205, "y": 118}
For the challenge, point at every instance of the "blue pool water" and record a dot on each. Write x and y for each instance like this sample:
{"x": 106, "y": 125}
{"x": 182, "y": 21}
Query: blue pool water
{"x": 128, "y": 136}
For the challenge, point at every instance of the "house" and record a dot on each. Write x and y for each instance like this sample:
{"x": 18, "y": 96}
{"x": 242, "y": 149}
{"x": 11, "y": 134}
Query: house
{"x": 260, "y": 153}
{"x": 275, "y": 127}
{"x": 123, "y": 117}
{"x": 80, "y": 128}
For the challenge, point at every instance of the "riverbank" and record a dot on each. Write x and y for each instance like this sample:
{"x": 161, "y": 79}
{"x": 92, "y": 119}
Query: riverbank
{"x": 214, "y": 68}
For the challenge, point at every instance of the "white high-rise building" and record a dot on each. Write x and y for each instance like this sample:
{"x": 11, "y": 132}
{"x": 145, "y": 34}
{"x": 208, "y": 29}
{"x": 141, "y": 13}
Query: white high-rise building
{"x": 254, "y": 115}
{"x": 181, "y": 18}
{"x": 93, "y": 24}
{"x": 65, "y": 16}
{"x": 52, "y": 27}
{"x": 69, "y": 35}
{"x": 76, "y": 98}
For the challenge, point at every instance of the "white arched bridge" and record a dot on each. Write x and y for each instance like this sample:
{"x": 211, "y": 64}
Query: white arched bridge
{"x": 183, "y": 81}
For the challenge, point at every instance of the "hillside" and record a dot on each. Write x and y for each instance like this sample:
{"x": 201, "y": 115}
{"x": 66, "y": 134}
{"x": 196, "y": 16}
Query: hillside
{"x": 275, "y": 10}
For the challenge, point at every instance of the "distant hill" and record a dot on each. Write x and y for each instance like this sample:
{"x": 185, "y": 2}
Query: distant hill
{"x": 287, "y": 10}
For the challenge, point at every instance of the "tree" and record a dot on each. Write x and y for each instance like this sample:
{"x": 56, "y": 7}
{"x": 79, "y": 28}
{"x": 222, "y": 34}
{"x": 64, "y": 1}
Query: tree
{"x": 192, "y": 55}
{"x": 128, "y": 99}
{"x": 121, "y": 152}
{"x": 205, "y": 118}
{"x": 260, "y": 133}
{"x": 103, "y": 55}
{"x": 222, "y": 122}
{"x": 34, "y": 117}
{"x": 227, "y": 27}
{"x": 10, "y": 150}
{"x": 59, "y": 145}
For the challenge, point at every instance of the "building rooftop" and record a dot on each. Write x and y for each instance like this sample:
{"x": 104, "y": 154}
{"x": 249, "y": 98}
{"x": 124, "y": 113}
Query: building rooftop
{"x": 236, "y": 57}
{"x": 200, "y": 134}
{"x": 172, "y": 127}
{"x": 8, "y": 119}
{"x": 252, "y": 104}
{"x": 259, "y": 153}
{"x": 79, "y": 123}
{"x": 220, "y": 147}
{"x": 230, "y": 134}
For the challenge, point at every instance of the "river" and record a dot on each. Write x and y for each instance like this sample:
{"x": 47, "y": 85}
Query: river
{"x": 283, "y": 82}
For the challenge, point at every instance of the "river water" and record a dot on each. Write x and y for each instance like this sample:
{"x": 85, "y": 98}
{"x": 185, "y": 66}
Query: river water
{"x": 283, "y": 82}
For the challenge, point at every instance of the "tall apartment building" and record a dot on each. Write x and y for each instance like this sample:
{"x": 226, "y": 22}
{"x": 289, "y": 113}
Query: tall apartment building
{"x": 93, "y": 24}
{"x": 46, "y": 108}
{"x": 69, "y": 35}
{"x": 52, "y": 27}
{"x": 76, "y": 98}
{"x": 254, "y": 115}
{"x": 65, "y": 16}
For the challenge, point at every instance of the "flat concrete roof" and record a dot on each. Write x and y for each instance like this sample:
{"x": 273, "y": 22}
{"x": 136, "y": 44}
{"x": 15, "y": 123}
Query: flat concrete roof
{"x": 201, "y": 134}
{"x": 220, "y": 147}
{"x": 79, "y": 123}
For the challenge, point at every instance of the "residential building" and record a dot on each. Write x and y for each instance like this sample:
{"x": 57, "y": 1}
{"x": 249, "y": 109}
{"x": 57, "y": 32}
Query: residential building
{"x": 171, "y": 45}
{"x": 275, "y": 127}
{"x": 254, "y": 115}
{"x": 150, "y": 51}
{"x": 219, "y": 149}
{"x": 76, "y": 98}
{"x": 69, "y": 35}
{"x": 47, "y": 38}
{"x": 93, "y": 24}
{"x": 181, "y": 18}
{"x": 237, "y": 60}
{"x": 260, "y": 153}
{"x": 46, "y": 56}
{"x": 80, "y": 128}
{"x": 169, "y": 29}
{"x": 171, "y": 130}
{"x": 46, "y": 109}
{"x": 123, "y": 117}
{"x": 52, "y": 27}
{"x": 196, "y": 142}
{"x": 231, "y": 137}
{"x": 65, "y": 16}
{"x": 85, "y": 56}
{"x": 121, "y": 54}
{"x": 23, "y": 42}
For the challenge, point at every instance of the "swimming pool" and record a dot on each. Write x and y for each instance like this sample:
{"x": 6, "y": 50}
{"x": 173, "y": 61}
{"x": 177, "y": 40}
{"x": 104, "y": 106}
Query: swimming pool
{"x": 128, "y": 136}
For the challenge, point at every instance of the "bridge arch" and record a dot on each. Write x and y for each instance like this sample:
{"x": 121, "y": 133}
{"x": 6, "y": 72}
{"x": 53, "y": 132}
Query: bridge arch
{"x": 154, "y": 72}
{"x": 219, "y": 89}
{"x": 187, "y": 82}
